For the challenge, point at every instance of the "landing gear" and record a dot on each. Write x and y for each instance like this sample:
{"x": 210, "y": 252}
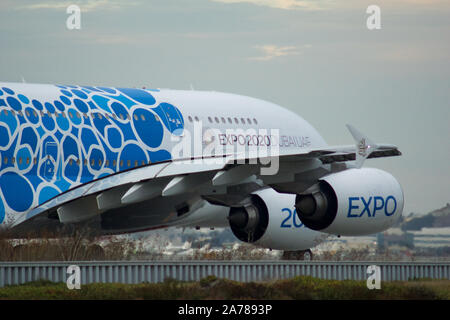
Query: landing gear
{"x": 297, "y": 255}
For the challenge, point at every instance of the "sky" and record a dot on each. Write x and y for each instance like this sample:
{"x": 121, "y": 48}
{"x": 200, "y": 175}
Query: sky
{"x": 314, "y": 57}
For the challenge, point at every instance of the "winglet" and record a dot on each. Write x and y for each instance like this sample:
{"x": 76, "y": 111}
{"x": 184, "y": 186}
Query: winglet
{"x": 364, "y": 146}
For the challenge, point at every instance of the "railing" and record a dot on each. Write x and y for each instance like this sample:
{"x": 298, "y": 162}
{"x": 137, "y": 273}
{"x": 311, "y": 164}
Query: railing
{"x": 12, "y": 273}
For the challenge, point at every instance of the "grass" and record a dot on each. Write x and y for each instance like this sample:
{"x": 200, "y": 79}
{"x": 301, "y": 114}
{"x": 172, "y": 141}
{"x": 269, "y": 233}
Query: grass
{"x": 213, "y": 288}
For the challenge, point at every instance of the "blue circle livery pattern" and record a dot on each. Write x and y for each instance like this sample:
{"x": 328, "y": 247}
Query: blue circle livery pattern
{"x": 85, "y": 133}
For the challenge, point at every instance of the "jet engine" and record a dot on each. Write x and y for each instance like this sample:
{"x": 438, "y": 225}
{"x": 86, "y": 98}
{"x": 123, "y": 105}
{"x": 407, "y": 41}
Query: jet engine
{"x": 268, "y": 219}
{"x": 351, "y": 202}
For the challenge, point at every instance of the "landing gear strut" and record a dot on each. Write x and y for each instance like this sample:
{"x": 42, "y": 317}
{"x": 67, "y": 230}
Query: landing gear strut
{"x": 297, "y": 255}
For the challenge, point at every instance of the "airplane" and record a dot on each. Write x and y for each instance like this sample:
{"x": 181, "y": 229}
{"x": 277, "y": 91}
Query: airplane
{"x": 124, "y": 160}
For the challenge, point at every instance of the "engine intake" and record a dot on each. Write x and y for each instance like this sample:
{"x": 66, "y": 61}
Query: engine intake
{"x": 352, "y": 202}
{"x": 317, "y": 210}
{"x": 250, "y": 221}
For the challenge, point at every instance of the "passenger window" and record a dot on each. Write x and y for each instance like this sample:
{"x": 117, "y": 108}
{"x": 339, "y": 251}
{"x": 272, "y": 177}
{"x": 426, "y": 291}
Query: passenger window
{"x": 128, "y": 163}
{"x": 142, "y": 117}
{"x": 210, "y": 119}
{"x": 229, "y": 120}
{"x": 236, "y": 120}
{"x": 136, "y": 163}
{"x": 249, "y": 121}
{"x": 121, "y": 163}
{"x": 217, "y": 119}
{"x": 5, "y": 160}
{"x": 121, "y": 116}
{"x": 190, "y": 119}
{"x": 114, "y": 163}
{"x": 196, "y": 118}
{"x": 223, "y": 120}
{"x": 135, "y": 117}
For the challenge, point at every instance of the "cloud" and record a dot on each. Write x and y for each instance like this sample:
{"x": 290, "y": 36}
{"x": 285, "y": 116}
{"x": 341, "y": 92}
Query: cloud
{"x": 85, "y": 5}
{"x": 270, "y": 52}
{"x": 334, "y": 4}
{"x": 283, "y": 4}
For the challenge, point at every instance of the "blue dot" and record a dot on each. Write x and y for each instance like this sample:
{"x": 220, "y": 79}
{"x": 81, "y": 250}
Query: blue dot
{"x": 37, "y": 104}
{"x": 81, "y": 105}
{"x": 74, "y": 116}
{"x": 96, "y": 155}
{"x": 114, "y": 137}
{"x": 151, "y": 130}
{"x": 171, "y": 117}
{"x": 10, "y": 183}
{"x": 31, "y": 115}
{"x": 132, "y": 151}
{"x": 8, "y": 90}
{"x": 66, "y": 93}
{"x": 4, "y": 137}
{"x": 14, "y": 103}
{"x": 59, "y": 105}
{"x": 119, "y": 109}
{"x": 139, "y": 95}
{"x": 49, "y": 107}
{"x": 65, "y": 100}
{"x": 48, "y": 122}
{"x": 23, "y": 99}
{"x": 62, "y": 122}
{"x": 79, "y": 93}
{"x": 23, "y": 153}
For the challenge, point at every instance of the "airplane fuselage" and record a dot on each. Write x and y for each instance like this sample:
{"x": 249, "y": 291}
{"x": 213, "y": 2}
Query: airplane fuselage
{"x": 56, "y": 138}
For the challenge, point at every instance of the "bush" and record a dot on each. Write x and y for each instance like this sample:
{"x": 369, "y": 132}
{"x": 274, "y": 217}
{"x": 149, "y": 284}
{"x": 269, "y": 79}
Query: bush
{"x": 299, "y": 288}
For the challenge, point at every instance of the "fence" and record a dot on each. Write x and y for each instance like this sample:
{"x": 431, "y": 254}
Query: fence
{"x": 12, "y": 273}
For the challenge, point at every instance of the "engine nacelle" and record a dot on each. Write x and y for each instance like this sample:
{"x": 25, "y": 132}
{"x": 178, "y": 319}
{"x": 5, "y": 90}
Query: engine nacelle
{"x": 269, "y": 220}
{"x": 353, "y": 202}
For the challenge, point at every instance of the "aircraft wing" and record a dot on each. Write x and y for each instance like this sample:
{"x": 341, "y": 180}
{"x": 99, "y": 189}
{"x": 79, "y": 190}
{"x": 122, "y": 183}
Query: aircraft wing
{"x": 204, "y": 176}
